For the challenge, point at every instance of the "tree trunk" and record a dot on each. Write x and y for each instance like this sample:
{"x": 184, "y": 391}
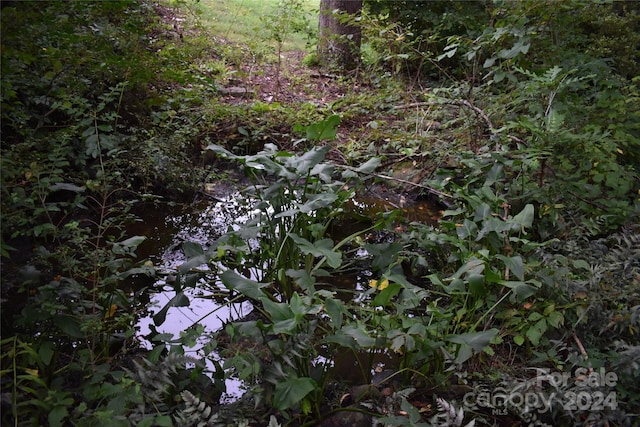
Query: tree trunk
{"x": 339, "y": 35}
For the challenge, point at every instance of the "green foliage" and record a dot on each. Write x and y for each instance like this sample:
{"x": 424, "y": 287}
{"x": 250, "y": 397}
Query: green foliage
{"x": 490, "y": 256}
{"x": 289, "y": 17}
{"x": 196, "y": 412}
{"x": 280, "y": 260}
{"x": 67, "y": 194}
{"x": 294, "y": 217}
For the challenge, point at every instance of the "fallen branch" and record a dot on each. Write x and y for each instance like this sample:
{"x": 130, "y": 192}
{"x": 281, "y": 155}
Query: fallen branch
{"x": 403, "y": 181}
{"x": 465, "y": 103}
{"x": 324, "y": 76}
{"x": 583, "y": 352}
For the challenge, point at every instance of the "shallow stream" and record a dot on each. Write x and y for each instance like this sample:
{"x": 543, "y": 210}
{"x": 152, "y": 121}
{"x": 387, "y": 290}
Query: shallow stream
{"x": 167, "y": 227}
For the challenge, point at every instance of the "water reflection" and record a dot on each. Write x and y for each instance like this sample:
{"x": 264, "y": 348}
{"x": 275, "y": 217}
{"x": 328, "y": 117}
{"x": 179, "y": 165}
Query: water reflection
{"x": 167, "y": 227}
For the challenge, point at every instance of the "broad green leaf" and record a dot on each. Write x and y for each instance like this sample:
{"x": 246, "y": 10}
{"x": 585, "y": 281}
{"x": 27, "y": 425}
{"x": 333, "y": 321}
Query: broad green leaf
{"x": 43, "y": 228}
{"x": 342, "y": 340}
{"x": 489, "y": 62}
{"x": 261, "y": 162}
{"x": 300, "y": 307}
{"x": 304, "y": 163}
{"x": 464, "y": 353}
{"x": 397, "y": 276}
{"x": 163, "y": 421}
{"x": 324, "y": 130}
{"x": 525, "y": 217}
{"x": 369, "y": 166}
{"x": 472, "y": 266}
{"x": 351, "y": 334}
{"x": 164, "y": 337}
{"x": 433, "y": 278}
{"x": 192, "y": 249}
{"x": 324, "y": 171}
{"x": 518, "y": 339}
{"x": 481, "y": 212}
{"x": 57, "y": 415}
{"x": 411, "y": 298}
{"x": 70, "y": 326}
{"x": 145, "y": 270}
{"x": 401, "y": 342}
{"x": 192, "y": 263}
{"x": 384, "y": 254}
{"x": 320, "y": 248}
{"x": 291, "y": 391}
{"x": 581, "y": 264}
{"x": 549, "y": 309}
{"x": 154, "y": 355}
{"x": 493, "y": 224}
{"x": 128, "y": 246}
{"x": 278, "y": 311}
{"x": 178, "y": 300}
{"x": 303, "y": 279}
{"x": 456, "y": 286}
{"x": 335, "y": 310}
{"x": 46, "y": 352}
{"x": 247, "y": 287}
{"x": 535, "y": 316}
{"x": 475, "y": 340}
{"x": 521, "y": 46}
{"x": 488, "y": 193}
{"x": 361, "y": 336}
{"x": 491, "y": 276}
{"x": 146, "y": 422}
{"x": 515, "y": 265}
{"x": 384, "y": 296}
{"x": 92, "y": 143}
{"x": 190, "y": 280}
{"x": 412, "y": 411}
{"x": 476, "y": 284}
{"x": 466, "y": 229}
{"x": 449, "y": 51}
{"x": 555, "y": 319}
{"x": 521, "y": 290}
{"x": 318, "y": 201}
{"x": 536, "y": 332}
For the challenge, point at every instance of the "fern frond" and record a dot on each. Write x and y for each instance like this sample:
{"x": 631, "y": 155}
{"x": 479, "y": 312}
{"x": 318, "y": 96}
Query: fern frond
{"x": 451, "y": 416}
{"x": 196, "y": 413}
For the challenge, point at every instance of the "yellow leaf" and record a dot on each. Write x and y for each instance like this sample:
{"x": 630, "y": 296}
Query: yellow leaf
{"x": 580, "y": 295}
{"x": 32, "y": 372}
{"x": 111, "y": 311}
{"x": 220, "y": 253}
{"x": 379, "y": 286}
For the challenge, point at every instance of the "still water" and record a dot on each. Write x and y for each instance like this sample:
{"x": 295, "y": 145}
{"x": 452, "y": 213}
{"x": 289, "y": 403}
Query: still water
{"x": 167, "y": 227}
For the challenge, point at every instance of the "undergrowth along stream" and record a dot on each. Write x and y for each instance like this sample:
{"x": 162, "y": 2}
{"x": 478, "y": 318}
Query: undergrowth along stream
{"x": 171, "y": 230}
